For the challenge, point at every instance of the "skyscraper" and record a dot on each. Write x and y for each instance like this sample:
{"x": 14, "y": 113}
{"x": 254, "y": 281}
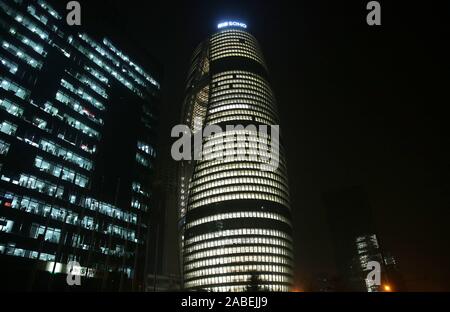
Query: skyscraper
{"x": 77, "y": 142}
{"x": 235, "y": 220}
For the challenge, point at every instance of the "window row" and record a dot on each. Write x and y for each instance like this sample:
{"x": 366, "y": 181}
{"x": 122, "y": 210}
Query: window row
{"x": 269, "y": 96}
{"x": 240, "y": 278}
{"x": 226, "y": 251}
{"x": 240, "y": 114}
{"x": 206, "y": 167}
{"x": 236, "y": 116}
{"x": 77, "y": 107}
{"x": 41, "y": 208}
{"x": 238, "y": 215}
{"x": 274, "y": 196}
{"x": 11, "y": 250}
{"x": 262, "y": 150}
{"x": 235, "y": 53}
{"x": 8, "y": 127}
{"x": 118, "y": 251}
{"x": 238, "y": 74}
{"x": 243, "y": 47}
{"x": 233, "y": 37}
{"x": 237, "y": 98}
{"x": 237, "y": 50}
{"x": 82, "y": 94}
{"x": 49, "y": 9}
{"x": 244, "y": 83}
{"x": 146, "y": 148}
{"x": 235, "y": 40}
{"x": 66, "y": 154}
{"x": 11, "y": 108}
{"x": 239, "y": 173}
{"x": 243, "y": 86}
{"x": 109, "y": 210}
{"x": 74, "y": 123}
{"x": 238, "y": 260}
{"x": 123, "y": 233}
{"x": 16, "y": 110}
{"x": 40, "y": 17}
{"x": 265, "y": 161}
{"x": 41, "y": 185}
{"x": 107, "y": 68}
{"x": 25, "y": 21}
{"x": 238, "y": 184}
{"x": 99, "y": 49}
{"x": 143, "y": 160}
{"x": 88, "y": 82}
{"x": 48, "y": 234}
{"x": 33, "y": 139}
{"x": 246, "y": 240}
{"x": 244, "y": 92}
{"x": 236, "y": 269}
{"x": 240, "y": 133}
{"x": 232, "y": 33}
{"x": 230, "y": 119}
{"x": 30, "y": 43}
{"x": 96, "y": 74}
{"x": 237, "y": 232}
{"x": 222, "y": 76}
{"x": 231, "y": 115}
{"x": 133, "y": 65}
{"x": 261, "y": 120}
{"x": 255, "y": 141}
{"x": 231, "y": 109}
{"x": 61, "y": 172}
{"x": 229, "y": 170}
{"x": 10, "y": 66}
{"x": 18, "y": 91}
{"x": 242, "y": 288}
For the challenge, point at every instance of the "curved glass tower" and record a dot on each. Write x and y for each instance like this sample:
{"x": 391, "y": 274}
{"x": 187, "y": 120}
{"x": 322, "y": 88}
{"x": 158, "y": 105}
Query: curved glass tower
{"x": 235, "y": 221}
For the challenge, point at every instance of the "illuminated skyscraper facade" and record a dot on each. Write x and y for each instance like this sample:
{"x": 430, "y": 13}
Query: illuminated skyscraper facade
{"x": 77, "y": 148}
{"x": 235, "y": 220}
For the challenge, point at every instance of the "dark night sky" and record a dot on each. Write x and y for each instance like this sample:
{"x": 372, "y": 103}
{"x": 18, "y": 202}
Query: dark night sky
{"x": 359, "y": 105}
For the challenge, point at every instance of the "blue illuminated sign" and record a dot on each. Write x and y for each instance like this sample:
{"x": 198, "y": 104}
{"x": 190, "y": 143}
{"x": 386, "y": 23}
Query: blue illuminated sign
{"x": 231, "y": 24}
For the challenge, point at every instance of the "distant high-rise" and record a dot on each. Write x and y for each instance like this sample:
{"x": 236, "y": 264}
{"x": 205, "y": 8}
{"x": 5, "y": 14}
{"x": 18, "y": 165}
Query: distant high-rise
{"x": 77, "y": 147}
{"x": 235, "y": 219}
{"x": 356, "y": 242}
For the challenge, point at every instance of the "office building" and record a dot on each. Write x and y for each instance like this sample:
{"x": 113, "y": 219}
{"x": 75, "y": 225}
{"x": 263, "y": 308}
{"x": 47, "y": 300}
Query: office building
{"x": 78, "y": 122}
{"x": 356, "y": 243}
{"x": 235, "y": 220}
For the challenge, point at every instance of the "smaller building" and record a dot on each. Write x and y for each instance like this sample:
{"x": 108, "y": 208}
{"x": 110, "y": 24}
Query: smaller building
{"x": 356, "y": 243}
